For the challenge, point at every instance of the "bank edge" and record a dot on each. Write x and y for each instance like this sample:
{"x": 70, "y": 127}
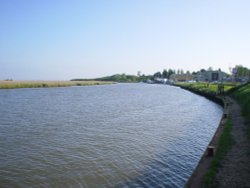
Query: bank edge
{"x": 204, "y": 173}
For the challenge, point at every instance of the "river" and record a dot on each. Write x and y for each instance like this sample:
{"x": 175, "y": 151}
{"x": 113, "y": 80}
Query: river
{"x": 121, "y": 135}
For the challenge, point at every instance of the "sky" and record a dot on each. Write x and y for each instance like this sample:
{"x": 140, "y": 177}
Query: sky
{"x": 66, "y": 39}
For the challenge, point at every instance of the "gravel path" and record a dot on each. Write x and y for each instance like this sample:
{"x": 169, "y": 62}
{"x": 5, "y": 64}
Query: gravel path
{"x": 235, "y": 167}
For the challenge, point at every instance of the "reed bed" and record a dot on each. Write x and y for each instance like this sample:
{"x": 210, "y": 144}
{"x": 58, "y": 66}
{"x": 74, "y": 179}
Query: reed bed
{"x": 45, "y": 84}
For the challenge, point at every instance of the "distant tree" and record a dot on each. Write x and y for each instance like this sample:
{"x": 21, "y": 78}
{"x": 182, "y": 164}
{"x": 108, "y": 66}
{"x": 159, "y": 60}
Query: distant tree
{"x": 170, "y": 72}
{"x": 165, "y": 73}
{"x": 157, "y": 75}
{"x": 203, "y": 70}
{"x": 241, "y": 71}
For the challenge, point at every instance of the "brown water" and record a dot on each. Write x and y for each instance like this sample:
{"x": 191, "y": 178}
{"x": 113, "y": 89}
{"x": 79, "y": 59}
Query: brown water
{"x": 123, "y": 135}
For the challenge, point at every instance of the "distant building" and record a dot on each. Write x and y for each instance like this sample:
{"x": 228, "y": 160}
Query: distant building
{"x": 210, "y": 76}
{"x": 181, "y": 77}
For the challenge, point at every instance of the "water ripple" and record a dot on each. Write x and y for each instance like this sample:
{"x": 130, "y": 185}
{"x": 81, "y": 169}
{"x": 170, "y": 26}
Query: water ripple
{"x": 124, "y": 135}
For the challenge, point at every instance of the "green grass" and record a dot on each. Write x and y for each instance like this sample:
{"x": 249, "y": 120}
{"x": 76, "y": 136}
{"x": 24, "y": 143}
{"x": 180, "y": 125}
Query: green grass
{"x": 44, "y": 84}
{"x": 208, "y": 88}
{"x": 225, "y": 143}
{"x": 242, "y": 95}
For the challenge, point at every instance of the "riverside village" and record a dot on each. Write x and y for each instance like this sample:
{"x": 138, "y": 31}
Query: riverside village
{"x": 238, "y": 74}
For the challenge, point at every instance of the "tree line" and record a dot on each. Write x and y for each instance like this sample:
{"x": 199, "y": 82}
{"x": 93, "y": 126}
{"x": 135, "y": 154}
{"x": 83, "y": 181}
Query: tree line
{"x": 239, "y": 70}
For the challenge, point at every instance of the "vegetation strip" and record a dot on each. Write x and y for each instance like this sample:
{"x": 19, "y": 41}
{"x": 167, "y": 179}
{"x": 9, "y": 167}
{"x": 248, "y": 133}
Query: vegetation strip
{"x": 224, "y": 168}
{"x": 44, "y": 84}
{"x": 234, "y": 169}
{"x": 242, "y": 95}
{"x": 225, "y": 143}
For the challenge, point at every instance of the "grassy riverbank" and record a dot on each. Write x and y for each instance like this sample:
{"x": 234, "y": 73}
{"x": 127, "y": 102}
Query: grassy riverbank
{"x": 44, "y": 84}
{"x": 241, "y": 93}
{"x": 225, "y": 143}
{"x": 207, "y": 88}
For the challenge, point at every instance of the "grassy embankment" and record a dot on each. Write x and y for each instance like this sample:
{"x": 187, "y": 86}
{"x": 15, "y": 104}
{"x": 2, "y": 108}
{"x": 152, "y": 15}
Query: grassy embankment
{"x": 242, "y": 95}
{"x": 225, "y": 140}
{"x": 208, "y": 90}
{"x": 44, "y": 84}
{"x": 225, "y": 143}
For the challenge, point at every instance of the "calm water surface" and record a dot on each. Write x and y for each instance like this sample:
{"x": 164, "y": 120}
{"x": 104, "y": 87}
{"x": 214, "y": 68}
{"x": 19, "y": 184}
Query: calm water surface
{"x": 123, "y": 135}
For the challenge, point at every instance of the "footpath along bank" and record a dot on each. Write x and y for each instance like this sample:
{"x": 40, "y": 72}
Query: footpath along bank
{"x": 226, "y": 162}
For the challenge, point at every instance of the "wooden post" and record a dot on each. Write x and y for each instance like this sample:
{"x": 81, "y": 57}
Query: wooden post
{"x": 210, "y": 151}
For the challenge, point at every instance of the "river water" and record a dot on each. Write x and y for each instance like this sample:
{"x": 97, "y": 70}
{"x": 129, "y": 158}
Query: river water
{"x": 122, "y": 135}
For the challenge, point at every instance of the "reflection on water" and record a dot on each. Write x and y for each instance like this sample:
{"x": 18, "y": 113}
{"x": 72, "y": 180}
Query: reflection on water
{"x": 124, "y": 135}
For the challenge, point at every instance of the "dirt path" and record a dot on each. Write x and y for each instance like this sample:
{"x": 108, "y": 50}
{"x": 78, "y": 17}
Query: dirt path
{"x": 235, "y": 166}
{"x": 234, "y": 171}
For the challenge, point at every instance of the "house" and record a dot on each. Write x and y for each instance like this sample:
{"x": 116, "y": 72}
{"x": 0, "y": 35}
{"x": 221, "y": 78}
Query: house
{"x": 210, "y": 76}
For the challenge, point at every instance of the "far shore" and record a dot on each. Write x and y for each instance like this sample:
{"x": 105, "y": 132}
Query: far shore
{"x": 44, "y": 84}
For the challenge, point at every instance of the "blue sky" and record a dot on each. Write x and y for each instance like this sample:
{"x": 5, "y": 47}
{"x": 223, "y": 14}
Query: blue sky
{"x": 65, "y": 39}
